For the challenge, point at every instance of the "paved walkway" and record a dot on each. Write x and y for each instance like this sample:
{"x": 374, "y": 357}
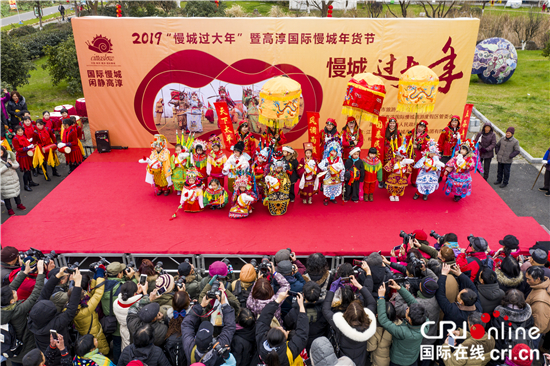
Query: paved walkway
{"x": 14, "y": 19}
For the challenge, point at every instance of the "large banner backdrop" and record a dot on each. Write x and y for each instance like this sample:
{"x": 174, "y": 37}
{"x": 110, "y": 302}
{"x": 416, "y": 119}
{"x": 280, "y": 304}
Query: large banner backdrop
{"x": 143, "y": 76}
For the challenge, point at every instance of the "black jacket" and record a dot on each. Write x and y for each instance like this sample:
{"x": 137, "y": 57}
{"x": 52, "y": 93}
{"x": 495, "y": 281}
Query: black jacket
{"x": 352, "y": 342}
{"x": 150, "y": 356}
{"x": 318, "y": 325}
{"x": 296, "y": 344}
{"x": 490, "y": 296}
{"x": 292, "y": 170}
{"x": 359, "y": 165}
{"x": 12, "y": 107}
{"x": 507, "y": 283}
{"x": 522, "y": 319}
{"x": 243, "y": 347}
{"x": 6, "y": 269}
{"x": 43, "y": 317}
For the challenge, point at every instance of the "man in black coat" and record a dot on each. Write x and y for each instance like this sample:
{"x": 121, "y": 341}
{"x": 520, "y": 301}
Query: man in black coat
{"x": 291, "y": 169}
{"x": 143, "y": 349}
{"x": 43, "y": 316}
{"x": 243, "y": 345}
{"x": 354, "y": 175}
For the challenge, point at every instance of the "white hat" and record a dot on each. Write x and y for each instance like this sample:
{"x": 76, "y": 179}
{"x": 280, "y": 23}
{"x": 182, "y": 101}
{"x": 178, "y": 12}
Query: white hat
{"x": 288, "y": 149}
{"x": 354, "y": 150}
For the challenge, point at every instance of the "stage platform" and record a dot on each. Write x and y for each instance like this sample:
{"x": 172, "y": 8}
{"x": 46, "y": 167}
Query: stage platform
{"x": 105, "y": 206}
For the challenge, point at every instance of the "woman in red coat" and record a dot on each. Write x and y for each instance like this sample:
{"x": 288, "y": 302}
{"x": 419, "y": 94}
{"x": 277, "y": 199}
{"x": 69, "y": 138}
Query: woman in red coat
{"x": 22, "y": 146}
{"x": 48, "y": 123}
{"x": 69, "y": 140}
{"x": 448, "y": 139}
{"x": 352, "y": 137}
{"x": 48, "y": 145}
{"x": 418, "y": 144}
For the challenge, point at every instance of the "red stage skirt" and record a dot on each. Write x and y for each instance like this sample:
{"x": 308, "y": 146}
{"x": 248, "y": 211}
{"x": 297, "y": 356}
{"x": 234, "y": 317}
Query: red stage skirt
{"x": 75, "y": 156}
{"x": 25, "y": 162}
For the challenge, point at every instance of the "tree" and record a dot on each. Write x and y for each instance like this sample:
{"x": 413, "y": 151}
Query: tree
{"x": 403, "y": 4}
{"x": 204, "y": 9}
{"x": 439, "y": 10}
{"x": 15, "y": 60}
{"x": 374, "y": 8}
{"x": 92, "y": 6}
{"x": 38, "y": 12}
{"x": 62, "y": 64}
{"x": 527, "y": 28}
{"x": 321, "y": 5}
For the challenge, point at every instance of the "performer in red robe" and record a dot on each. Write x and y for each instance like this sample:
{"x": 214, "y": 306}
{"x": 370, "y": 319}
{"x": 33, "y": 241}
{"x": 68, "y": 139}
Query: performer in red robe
{"x": 352, "y": 137}
{"x": 48, "y": 123}
{"x": 392, "y": 140}
{"x": 274, "y": 138}
{"x": 448, "y": 139}
{"x": 329, "y": 133}
{"x": 417, "y": 145}
{"x": 243, "y": 134}
{"x": 201, "y": 160}
{"x": 69, "y": 145}
{"x": 48, "y": 144}
{"x": 22, "y": 146}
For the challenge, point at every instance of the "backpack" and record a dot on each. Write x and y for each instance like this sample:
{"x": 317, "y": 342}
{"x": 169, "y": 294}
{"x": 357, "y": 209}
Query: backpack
{"x": 11, "y": 346}
{"x": 240, "y": 293}
{"x": 488, "y": 263}
{"x": 109, "y": 323}
{"x": 173, "y": 349}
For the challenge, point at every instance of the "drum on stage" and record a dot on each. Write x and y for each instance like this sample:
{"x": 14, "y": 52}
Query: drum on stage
{"x": 56, "y": 120}
{"x": 80, "y": 106}
{"x": 70, "y": 109}
{"x": 46, "y": 149}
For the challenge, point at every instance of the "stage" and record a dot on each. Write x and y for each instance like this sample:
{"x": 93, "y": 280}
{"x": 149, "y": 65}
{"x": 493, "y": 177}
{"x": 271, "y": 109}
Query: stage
{"x": 105, "y": 206}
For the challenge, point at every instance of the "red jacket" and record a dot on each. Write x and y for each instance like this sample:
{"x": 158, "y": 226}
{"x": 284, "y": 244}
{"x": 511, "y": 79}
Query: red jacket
{"x": 48, "y": 123}
{"x": 30, "y": 132}
{"x": 351, "y": 140}
{"x": 70, "y": 137}
{"x": 447, "y": 141}
{"x": 45, "y": 137}
{"x": 20, "y": 144}
{"x": 25, "y": 290}
{"x": 470, "y": 265}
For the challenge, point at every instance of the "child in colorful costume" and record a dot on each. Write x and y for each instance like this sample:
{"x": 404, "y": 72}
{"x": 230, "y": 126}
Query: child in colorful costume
{"x": 307, "y": 170}
{"x": 352, "y": 137}
{"x": 200, "y": 159}
{"x": 291, "y": 159}
{"x": 278, "y": 187}
{"x": 194, "y": 114}
{"x": 191, "y": 194}
{"x": 215, "y": 195}
{"x": 159, "y": 171}
{"x": 260, "y": 168}
{"x": 216, "y": 160}
{"x": 274, "y": 138}
{"x": 430, "y": 167}
{"x": 399, "y": 167}
{"x": 373, "y": 173}
{"x": 417, "y": 144}
{"x": 392, "y": 141}
{"x": 459, "y": 180}
{"x": 237, "y": 163}
{"x": 243, "y": 134}
{"x": 243, "y": 198}
{"x": 180, "y": 162}
{"x": 333, "y": 172}
{"x": 448, "y": 139}
{"x": 354, "y": 175}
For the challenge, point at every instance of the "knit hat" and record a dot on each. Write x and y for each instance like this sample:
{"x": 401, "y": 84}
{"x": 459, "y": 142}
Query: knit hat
{"x": 420, "y": 235}
{"x": 450, "y": 237}
{"x": 217, "y": 268}
{"x": 248, "y": 273}
{"x": 204, "y": 335}
{"x": 354, "y": 150}
{"x": 521, "y": 355}
{"x": 9, "y": 254}
{"x": 428, "y": 287}
{"x": 511, "y": 129}
{"x": 114, "y": 268}
{"x": 479, "y": 244}
{"x": 184, "y": 269}
{"x": 284, "y": 267}
{"x": 510, "y": 241}
{"x": 447, "y": 253}
{"x": 166, "y": 281}
{"x": 282, "y": 255}
{"x": 539, "y": 256}
{"x": 149, "y": 312}
{"x": 288, "y": 149}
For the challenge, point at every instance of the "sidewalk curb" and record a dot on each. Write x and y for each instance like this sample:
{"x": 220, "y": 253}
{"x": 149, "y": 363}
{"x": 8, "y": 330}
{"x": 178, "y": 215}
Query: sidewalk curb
{"x": 524, "y": 153}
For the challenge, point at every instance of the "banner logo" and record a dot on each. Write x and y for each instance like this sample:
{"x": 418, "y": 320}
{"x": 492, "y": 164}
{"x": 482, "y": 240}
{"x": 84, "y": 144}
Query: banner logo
{"x": 100, "y": 44}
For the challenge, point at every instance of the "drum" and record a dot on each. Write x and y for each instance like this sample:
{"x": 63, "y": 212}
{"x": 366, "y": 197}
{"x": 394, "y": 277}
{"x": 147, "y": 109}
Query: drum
{"x": 30, "y": 153}
{"x": 80, "y": 106}
{"x": 56, "y": 120}
{"x": 70, "y": 109}
{"x": 46, "y": 149}
{"x": 65, "y": 149}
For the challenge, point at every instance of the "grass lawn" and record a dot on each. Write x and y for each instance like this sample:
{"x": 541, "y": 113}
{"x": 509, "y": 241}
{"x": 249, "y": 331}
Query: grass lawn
{"x": 249, "y": 6}
{"x": 41, "y": 95}
{"x": 522, "y": 102}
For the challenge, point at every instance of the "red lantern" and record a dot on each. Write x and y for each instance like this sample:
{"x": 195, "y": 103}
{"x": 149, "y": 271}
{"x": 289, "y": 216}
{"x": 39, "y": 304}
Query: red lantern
{"x": 330, "y": 7}
{"x": 118, "y": 10}
{"x": 217, "y": 3}
{"x": 330, "y": 11}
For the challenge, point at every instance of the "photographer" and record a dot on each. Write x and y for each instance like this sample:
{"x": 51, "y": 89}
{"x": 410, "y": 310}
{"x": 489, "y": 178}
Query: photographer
{"x": 143, "y": 349}
{"x": 147, "y": 311}
{"x": 263, "y": 293}
{"x": 15, "y": 311}
{"x": 218, "y": 269}
{"x": 242, "y": 287}
{"x": 192, "y": 279}
{"x": 37, "y": 358}
{"x": 173, "y": 346}
{"x": 166, "y": 283}
{"x": 26, "y": 288}
{"x": 295, "y": 280}
{"x": 471, "y": 262}
{"x": 59, "y": 296}
{"x": 130, "y": 293}
{"x": 318, "y": 271}
{"x": 288, "y": 255}
{"x": 233, "y": 302}
{"x": 44, "y": 317}
{"x": 243, "y": 345}
{"x": 489, "y": 292}
{"x": 199, "y": 346}
{"x": 10, "y": 261}
{"x": 274, "y": 345}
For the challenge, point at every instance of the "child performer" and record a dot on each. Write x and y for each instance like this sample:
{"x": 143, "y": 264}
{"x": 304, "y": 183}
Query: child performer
{"x": 459, "y": 181}
{"x": 448, "y": 139}
{"x": 249, "y": 142}
{"x": 69, "y": 145}
{"x": 48, "y": 145}
{"x": 392, "y": 141}
{"x": 243, "y": 198}
{"x": 180, "y": 162}
{"x": 215, "y": 195}
{"x": 159, "y": 171}
{"x": 291, "y": 158}
{"x": 373, "y": 173}
{"x": 333, "y": 166}
{"x": 278, "y": 187}
{"x": 430, "y": 167}
{"x": 237, "y": 162}
{"x": 48, "y": 123}
{"x": 201, "y": 160}
{"x": 354, "y": 175}
{"x": 216, "y": 160}
{"x": 417, "y": 145}
{"x": 260, "y": 168}
{"x": 399, "y": 167}
{"x": 191, "y": 194}
{"x": 352, "y": 137}
{"x": 329, "y": 133}
{"x": 309, "y": 182}
{"x": 22, "y": 147}
{"x": 274, "y": 138}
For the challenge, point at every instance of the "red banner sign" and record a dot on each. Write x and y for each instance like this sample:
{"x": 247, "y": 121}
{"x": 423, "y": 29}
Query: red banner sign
{"x": 465, "y": 121}
{"x": 313, "y": 132}
{"x": 377, "y": 138}
{"x": 224, "y": 122}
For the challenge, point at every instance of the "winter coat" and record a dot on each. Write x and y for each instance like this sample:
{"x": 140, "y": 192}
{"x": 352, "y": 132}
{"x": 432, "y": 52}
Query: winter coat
{"x": 16, "y": 314}
{"x": 378, "y": 271}
{"x": 507, "y": 149}
{"x": 432, "y": 310}
{"x": 10, "y": 185}
{"x": 458, "y": 359}
{"x": 192, "y": 321}
{"x": 4, "y": 100}
{"x": 6, "y": 271}
{"x": 487, "y": 143}
{"x": 231, "y": 299}
{"x": 295, "y": 345}
{"x": 292, "y": 170}
{"x": 349, "y": 165}
{"x": 296, "y": 283}
{"x": 86, "y": 320}
{"x": 519, "y": 318}
{"x": 120, "y": 308}
{"x": 323, "y": 281}
{"x": 539, "y": 300}
{"x": 318, "y": 325}
{"x": 192, "y": 285}
{"x": 15, "y": 110}
{"x": 352, "y": 342}
{"x": 150, "y": 356}
{"x": 43, "y": 317}
{"x": 506, "y": 283}
{"x": 256, "y": 305}
{"x": 469, "y": 265}
{"x": 51, "y": 354}
{"x": 489, "y": 296}
{"x": 60, "y": 297}
{"x": 379, "y": 346}
{"x": 243, "y": 347}
{"x": 26, "y": 287}
{"x": 134, "y": 322}
{"x": 406, "y": 338}
{"x": 322, "y": 354}
{"x": 112, "y": 283}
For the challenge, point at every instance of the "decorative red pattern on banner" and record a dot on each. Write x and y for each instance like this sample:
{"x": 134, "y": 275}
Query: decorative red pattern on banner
{"x": 313, "y": 132}
{"x": 377, "y": 139}
{"x": 465, "y": 121}
{"x": 224, "y": 121}
{"x": 363, "y": 99}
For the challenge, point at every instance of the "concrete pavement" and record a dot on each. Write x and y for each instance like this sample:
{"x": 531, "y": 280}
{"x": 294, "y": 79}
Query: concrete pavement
{"x": 14, "y": 19}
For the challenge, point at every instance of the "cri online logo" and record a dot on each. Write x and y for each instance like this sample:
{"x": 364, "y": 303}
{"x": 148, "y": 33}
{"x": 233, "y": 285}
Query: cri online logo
{"x": 100, "y": 44}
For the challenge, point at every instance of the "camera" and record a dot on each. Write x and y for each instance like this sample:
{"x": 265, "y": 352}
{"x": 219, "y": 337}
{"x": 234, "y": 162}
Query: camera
{"x": 264, "y": 266}
{"x": 221, "y": 351}
{"x": 436, "y": 236}
{"x": 180, "y": 281}
{"x": 33, "y": 252}
{"x": 71, "y": 267}
{"x": 131, "y": 265}
{"x": 471, "y": 238}
{"x": 50, "y": 256}
{"x": 159, "y": 269}
{"x": 102, "y": 261}
{"x": 229, "y": 266}
{"x": 214, "y": 291}
{"x": 406, "y": 237}
{"x": 254, "y": 262}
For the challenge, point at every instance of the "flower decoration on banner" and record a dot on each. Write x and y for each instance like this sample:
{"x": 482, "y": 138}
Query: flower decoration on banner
{"x": 280, "y": 102}
{"x": 417, "y": 90}
{"x": 364, "y": 97}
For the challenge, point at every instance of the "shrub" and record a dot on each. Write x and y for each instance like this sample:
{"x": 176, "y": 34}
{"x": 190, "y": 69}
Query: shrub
{"x": 546, "y": 49}
{"x": 35, "y": 42}
{"x": 23, "y": 31}
{"x": 236, "y": 11}
{"x": 204, "y": 9}
{"x": 15, "y": 61}
{"x": 62, "y": 64}
{"x": 276, "y": 12}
